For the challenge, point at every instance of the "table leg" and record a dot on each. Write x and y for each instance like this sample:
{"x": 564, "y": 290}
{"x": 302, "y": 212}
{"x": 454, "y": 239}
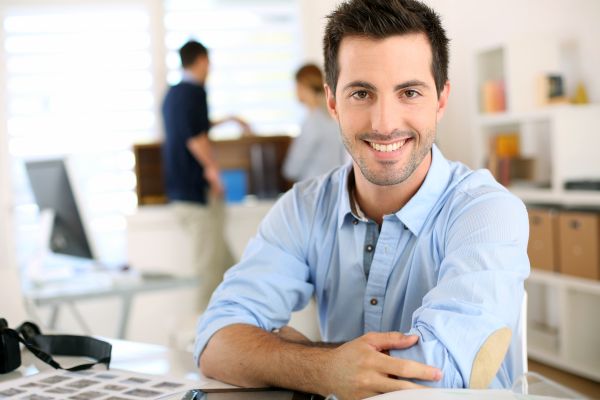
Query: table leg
{"x": 124, "y": 316}
{"x": 53, "y": 316}
{"x": 79, "y": 318}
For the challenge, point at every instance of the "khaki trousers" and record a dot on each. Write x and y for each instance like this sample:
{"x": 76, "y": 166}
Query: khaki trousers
{"x": 211, "y": 255}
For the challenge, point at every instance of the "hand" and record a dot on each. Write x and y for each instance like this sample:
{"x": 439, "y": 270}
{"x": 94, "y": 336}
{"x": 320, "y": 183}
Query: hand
{"x": 212, "y": 175}
{"x": 360, "y": 368}
{"x": 246, "y": 128}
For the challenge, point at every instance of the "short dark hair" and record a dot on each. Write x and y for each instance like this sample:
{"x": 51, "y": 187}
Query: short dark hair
{"x": 190, "y": 51}
{"x": 310, "y": 75}
{"x": 379, "y": 19}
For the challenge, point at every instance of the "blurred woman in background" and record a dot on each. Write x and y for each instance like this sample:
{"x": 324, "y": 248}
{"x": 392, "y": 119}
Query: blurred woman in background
{"x": 318, "y": 148}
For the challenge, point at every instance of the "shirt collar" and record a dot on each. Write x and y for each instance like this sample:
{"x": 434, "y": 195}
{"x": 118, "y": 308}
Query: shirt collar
{"x": 414, "y": 213}
{"x": 345, "y": 207}
{"x": 188, "y": 77}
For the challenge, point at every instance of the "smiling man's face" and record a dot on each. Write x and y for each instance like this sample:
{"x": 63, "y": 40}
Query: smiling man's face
{"x": 387, "y": 105}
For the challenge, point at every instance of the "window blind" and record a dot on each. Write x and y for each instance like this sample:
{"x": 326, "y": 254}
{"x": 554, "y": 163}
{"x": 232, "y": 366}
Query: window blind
{"x": 254, "y": 49}
{"x": 79, "y": 85}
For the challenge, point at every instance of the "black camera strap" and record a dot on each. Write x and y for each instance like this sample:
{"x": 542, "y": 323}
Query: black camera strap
{"x": 42, "y": 346}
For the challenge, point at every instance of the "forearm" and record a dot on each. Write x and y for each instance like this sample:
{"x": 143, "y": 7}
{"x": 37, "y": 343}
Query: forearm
{"x": 245, "y": 355}
{"x": 292, "y": 335}
{"x": 202, "y": 150}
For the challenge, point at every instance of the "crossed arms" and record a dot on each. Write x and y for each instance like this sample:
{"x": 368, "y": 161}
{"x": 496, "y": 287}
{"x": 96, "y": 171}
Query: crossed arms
{"x": 450, "y": 325}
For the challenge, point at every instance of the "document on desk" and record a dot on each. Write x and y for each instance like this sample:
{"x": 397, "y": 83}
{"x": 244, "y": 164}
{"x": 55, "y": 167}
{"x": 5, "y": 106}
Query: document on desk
{"x": 455, "y": 394}
{"x": 92, "y": 385}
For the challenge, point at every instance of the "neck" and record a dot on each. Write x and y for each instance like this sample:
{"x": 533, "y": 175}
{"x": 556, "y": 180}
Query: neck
{"x": 190, "y": 75}
{"x": 316, "y": 102}
{"x": 375, "y": 201}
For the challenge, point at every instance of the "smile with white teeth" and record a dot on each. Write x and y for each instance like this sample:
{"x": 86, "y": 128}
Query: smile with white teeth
{"x": 386, "y": 148}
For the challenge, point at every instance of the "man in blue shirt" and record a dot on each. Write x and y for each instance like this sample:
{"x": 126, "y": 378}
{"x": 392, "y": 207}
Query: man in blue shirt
{"x": 192, "y": 177}
{"x": 401, "y": 241}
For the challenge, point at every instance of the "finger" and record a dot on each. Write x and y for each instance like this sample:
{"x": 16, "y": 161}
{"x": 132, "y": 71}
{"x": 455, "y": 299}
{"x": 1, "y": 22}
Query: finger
{"x": 390, "y": 340}
{"x": 391, "y": 385}
{"x": 409, "y": 369}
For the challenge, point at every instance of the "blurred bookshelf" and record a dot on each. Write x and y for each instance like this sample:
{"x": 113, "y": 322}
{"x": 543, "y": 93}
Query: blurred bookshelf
{"x": 540, "y": 148}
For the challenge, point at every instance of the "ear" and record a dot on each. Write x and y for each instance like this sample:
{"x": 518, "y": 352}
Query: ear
{"x": 443, "y": 101}
{"x": 331, "y": 103}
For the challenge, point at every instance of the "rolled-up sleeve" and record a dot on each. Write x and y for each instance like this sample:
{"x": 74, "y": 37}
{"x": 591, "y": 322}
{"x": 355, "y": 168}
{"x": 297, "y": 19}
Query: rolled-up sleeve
{"x": 269, "y": 282}
{"x": 479, "y": 288}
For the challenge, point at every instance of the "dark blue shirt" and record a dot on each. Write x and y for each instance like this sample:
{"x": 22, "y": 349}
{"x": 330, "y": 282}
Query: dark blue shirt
{"x": 185, "y": 115}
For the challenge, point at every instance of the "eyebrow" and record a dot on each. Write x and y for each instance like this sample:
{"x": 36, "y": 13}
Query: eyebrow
{"x": 411, "y": 83}
{"x": 359, "y": 84}
{"x": 404, "y": 85}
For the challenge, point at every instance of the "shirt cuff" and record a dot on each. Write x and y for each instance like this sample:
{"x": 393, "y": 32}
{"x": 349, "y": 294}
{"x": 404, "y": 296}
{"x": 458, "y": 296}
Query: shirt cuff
{"x": 432, "y": 352}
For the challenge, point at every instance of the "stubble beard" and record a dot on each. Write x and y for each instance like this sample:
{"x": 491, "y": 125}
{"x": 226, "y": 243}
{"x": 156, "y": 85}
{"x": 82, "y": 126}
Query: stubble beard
{"x": 388, "y": 174}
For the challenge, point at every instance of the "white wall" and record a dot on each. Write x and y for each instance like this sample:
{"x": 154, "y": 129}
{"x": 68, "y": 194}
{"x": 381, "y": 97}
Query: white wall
{"x": 11, "y": 305}
{"x": 6, "y": 248}
{"x": 475, "y": 24}
{"x": 313, "y": 22}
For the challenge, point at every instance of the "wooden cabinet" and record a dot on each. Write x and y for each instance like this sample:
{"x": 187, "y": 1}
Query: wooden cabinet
{"x": 260, "y": 157}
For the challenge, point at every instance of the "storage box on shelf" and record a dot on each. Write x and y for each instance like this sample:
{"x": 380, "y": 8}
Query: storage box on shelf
{"x": 543, "y": 238}
{"x": 565, "y": 240}
{"x": 579, "y": 244}
{"x": 559, "y": 144}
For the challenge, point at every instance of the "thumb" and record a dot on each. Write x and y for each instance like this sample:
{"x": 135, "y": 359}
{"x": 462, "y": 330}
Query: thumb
{"x": 390, "y": 340}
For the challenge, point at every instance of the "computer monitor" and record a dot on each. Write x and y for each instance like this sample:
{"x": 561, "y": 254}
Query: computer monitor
{"x": 54, "y": 196}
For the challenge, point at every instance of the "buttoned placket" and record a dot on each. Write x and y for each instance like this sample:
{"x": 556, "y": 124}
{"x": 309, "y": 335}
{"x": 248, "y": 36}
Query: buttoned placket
{"x": 369, "y": 247}
{"x": 391, "y": 241}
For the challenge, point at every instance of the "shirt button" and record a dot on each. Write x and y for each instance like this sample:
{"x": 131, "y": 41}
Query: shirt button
{"x": 355, "y": 221}
{"x": 373, "y": 301}
{"x": 369, "y": 248}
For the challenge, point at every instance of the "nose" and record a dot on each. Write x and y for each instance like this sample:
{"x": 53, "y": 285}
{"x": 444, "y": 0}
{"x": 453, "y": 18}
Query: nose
{"x": 384, "y": 115}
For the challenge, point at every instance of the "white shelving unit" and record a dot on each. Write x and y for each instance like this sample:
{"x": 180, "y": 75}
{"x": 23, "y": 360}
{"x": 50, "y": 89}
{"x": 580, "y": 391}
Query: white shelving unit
{"x": 563, "y": 322}
{"x": 563, "y": 311}
{"x": 564, "y": 141}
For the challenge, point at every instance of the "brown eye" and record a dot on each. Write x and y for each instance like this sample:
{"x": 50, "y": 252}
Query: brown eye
{"x": 360, "y": 94}
{"x": 411, "y": 93}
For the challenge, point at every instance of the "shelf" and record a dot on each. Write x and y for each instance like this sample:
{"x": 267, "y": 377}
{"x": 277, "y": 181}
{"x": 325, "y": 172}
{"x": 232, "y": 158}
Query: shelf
{"x": 550, "y": 358}
{"x": 535, "y": 195}
{"x": 565, "y": 197}
{"x": 543, "y": 340}
{"x": 538, "y": 114}
{"x": 556, "y": 144}
{"x": 508, "y": 118}
{"x": 561, "y": 280}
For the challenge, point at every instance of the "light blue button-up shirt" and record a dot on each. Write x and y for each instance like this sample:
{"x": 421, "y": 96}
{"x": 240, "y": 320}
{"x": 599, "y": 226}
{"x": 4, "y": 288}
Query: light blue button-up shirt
{"x": 449, "y": 267}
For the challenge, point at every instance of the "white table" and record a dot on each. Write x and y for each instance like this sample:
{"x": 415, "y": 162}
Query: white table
{"x": 159, "y": 360}
{"x": 95, "y": 285}
{"x": 131, "y": 356}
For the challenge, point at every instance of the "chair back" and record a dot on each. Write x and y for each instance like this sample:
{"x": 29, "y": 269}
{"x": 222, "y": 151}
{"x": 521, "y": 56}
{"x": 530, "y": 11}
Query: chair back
{"x": 522, "y": 331}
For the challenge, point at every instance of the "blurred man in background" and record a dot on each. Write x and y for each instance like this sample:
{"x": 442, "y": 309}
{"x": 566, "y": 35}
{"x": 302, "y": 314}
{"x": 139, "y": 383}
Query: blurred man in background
{"x": 192, "y": 175}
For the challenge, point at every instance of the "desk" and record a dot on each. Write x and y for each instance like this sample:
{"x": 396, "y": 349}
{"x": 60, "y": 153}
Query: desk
{"x": 95, "y": 285}
{"x": 130, "y": 356}
{"x": 159, "y": 360}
